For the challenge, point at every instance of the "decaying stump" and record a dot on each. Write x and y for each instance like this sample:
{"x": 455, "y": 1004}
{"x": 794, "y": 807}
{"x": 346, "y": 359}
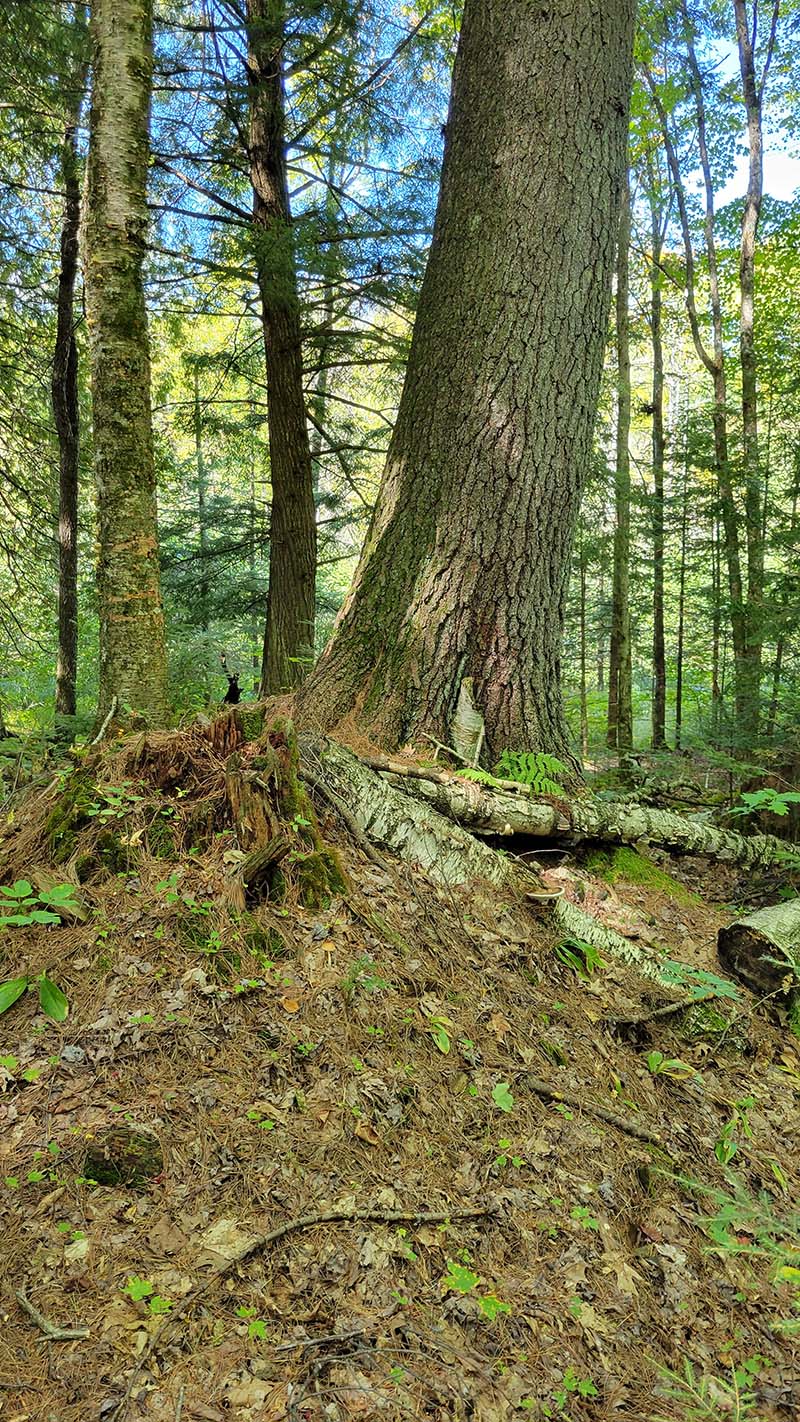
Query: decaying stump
{"x": 275, "y": 821}
{"x": 762, "y": 950}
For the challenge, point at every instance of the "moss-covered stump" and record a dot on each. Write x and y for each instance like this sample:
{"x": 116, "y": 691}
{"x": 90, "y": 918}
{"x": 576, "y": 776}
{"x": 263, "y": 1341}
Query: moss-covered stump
{"x": 123, "y": 1155}
{"x": 72, "y": 813}
{"x": 276, "y": 824}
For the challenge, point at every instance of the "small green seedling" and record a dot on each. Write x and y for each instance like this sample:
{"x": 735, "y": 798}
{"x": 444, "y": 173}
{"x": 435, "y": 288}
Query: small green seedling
{"x": 21, "y": 905}
{"x": 728, "y": 1141}
{"x": 579, "y": 955}
{"x": 51, "y": 999}
{"x": 660, "y": 1065}
{"x": 142, "y": 1291}
{"x": 502, "y": 1096}
{"x": 773, "y": 802}
{"x": 256, "y": 1327}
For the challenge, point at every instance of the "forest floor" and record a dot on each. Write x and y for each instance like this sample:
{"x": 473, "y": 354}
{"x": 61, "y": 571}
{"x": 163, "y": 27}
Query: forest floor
{"x": 385, "y": 1057}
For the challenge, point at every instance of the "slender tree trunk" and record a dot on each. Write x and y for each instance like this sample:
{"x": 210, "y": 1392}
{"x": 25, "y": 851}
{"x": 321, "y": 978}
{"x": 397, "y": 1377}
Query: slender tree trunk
{"x": 659, "y": 708}
{"x": 601, "y": 631}
{"x": 289, "y": 632}
{"x": 716, "y": 631}
{"x": 713, "y": 360}
{"x": 464, "y": 571}
{"x": 682, "y": 605}
{"x": 780, "y": 648}
{"x": 584, "y": 710}
{"x": 620, "y": 712}
{"x": 255, "y": 650}
{"x": 754, "y": 494}
{"x": 132, "y": 641}
{"x": 202, "y": 529}
{"x": 66, "y": 409}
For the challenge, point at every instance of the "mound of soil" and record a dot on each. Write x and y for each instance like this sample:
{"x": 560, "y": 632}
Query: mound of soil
{"x": 409, "y": 1162}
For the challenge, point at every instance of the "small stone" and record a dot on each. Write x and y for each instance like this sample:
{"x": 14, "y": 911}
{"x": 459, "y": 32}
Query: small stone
{"x": 73, "y": 1054}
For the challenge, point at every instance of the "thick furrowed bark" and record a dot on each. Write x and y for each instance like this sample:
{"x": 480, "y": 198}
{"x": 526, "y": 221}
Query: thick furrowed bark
{"x": 463, "y": 574}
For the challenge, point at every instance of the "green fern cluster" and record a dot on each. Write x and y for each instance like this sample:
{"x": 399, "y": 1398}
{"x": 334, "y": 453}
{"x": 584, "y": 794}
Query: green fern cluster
{"x": 541, "y": 771}
{"x": 534, "y": 768}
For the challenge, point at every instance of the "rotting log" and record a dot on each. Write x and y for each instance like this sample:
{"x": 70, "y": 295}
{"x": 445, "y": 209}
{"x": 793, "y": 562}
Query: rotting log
{"x": 259, "y": 867}
{"x": 762, "y": 950}
{"x": 506, "y": 812}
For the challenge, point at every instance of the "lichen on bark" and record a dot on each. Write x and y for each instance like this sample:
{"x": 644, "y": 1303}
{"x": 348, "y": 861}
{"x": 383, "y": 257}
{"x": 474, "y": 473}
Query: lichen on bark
{"x": 132, "y": 641}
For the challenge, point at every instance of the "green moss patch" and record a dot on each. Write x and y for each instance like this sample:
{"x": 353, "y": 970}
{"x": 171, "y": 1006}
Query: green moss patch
{"x": 625, "y": 863}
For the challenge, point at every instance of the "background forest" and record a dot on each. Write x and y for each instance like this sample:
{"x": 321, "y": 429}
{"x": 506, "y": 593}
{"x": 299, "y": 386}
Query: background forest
{"x": 685, "y": 559}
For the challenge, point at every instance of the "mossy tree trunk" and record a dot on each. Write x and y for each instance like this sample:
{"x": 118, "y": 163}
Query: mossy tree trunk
{"x": 464, "y": 571}
{"x": 132, "y": 643}
{"x": 289, "y": 632}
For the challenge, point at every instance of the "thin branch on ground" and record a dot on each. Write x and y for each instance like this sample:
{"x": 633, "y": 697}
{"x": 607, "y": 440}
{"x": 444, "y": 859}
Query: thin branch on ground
{"x": 52, "y": 1331}
{"x": 579, "y": 1103}
{"x": 263, "y": 1241}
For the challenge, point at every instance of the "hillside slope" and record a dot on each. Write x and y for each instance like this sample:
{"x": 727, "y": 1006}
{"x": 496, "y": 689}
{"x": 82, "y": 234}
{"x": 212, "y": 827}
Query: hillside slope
{"x": 543, "y": 1222}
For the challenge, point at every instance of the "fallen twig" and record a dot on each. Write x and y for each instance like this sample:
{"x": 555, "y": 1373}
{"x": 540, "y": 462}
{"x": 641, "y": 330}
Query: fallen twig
{"x": 667, "y": 1010}
{"x": 53, "y": 1331}
{"x": 549, "y": 1093}
{"x": 261, "y": 1242}
{"x": 317, "y": 1342}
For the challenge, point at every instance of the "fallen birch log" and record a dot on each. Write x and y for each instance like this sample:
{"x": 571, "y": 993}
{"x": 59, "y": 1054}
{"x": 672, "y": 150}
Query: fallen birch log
{"x": 762, "y": 950}
{"x": 486, "y": 810}
{"x": 418, "y": 834}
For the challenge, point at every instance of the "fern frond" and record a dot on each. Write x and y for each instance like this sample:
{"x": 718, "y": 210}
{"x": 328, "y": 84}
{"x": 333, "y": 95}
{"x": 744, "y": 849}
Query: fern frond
{"x": 542, "y": 772}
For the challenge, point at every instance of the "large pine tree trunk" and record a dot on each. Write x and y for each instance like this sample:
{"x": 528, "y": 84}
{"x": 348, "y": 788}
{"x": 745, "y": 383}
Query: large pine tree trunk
{"x": 620, "y": 708}
{"x": 463, "y": 574}
{"x": 289, "y": 633}
{"x": 132, "y": 644}
{"x": 64, "y": 391}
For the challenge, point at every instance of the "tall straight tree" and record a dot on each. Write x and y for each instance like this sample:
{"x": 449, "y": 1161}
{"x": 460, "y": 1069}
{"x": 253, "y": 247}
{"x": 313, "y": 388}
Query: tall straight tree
{"x": 753, "y": 91}
{"x": 132, "y": 645}
{"x": 64, "y": 385}
{"x": 659, "y": 707}
{"x": 462, "y": 580}
{"x": 620, "y": 701}
{"x": 289, "y": 633}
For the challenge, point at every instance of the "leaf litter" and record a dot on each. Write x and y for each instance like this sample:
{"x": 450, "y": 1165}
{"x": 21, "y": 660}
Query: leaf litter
{"x": 379, "y": 1065}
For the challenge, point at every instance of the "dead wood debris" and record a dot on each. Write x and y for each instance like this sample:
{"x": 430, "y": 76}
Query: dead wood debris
{"x": 580, "y": 1103}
